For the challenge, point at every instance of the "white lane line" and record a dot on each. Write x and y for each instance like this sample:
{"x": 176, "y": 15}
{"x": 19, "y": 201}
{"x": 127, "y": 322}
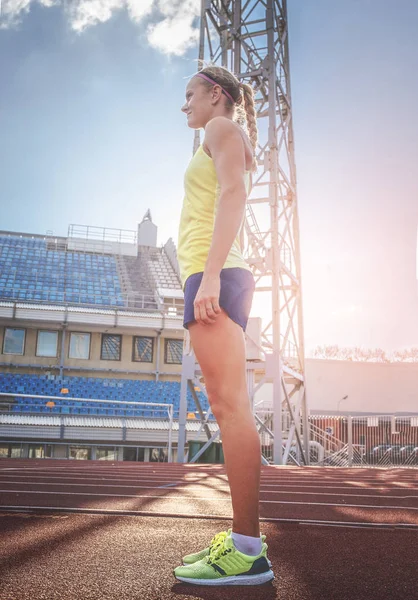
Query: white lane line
{"x": 206, "y": 516}
{"x": 399, "y": 473}
{"x": 353, "y": 525}
{"x": 175, "y": 483}
{"x": 193, "y": 488}
{"x": 204, "y": 481}
{"x": 90, "y": 478}
{"x": 28, "y": 492}
{"x": 205, "y": 477}
{"x": 182, "y": 471}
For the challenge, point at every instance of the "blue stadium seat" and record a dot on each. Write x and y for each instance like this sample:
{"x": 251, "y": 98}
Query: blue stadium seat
{"x": 32, "y": 272}
{"x": 105, "y": 388}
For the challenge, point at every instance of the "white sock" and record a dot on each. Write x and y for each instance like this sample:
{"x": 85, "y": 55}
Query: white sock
{"x": 247, "y": 544}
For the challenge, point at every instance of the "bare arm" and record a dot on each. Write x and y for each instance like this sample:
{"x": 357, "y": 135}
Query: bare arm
{"x": 226, "y": 146}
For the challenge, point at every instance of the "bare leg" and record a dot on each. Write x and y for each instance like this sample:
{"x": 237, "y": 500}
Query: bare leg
{"x": 220, "y": 351}
{"x": 241, "y": 445}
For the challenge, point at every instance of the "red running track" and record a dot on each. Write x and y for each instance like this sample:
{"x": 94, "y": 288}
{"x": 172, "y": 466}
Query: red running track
{"x": 97, "y": 529}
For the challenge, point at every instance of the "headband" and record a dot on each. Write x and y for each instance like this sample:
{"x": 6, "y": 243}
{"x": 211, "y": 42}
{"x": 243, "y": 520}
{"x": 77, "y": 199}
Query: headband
{"x": 216, "y": 83}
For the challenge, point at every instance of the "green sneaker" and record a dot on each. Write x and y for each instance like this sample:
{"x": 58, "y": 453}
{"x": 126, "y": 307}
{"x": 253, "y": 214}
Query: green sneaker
{"x": 225, "y": 565}
{"x": 189, "y": 559}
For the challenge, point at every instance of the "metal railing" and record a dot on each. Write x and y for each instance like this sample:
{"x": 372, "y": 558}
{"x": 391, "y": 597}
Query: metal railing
{"x": 334, "y": 441}
{"x": 58, "y": 406}
{"x": 351, "y": 440}
{"x": 105, "y": 234}
{"x": 130, "y": 301}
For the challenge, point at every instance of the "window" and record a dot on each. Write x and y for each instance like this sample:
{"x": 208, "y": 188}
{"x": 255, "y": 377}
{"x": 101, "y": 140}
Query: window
{"x": 11, "y": 451}
{"x": 103, "y": 453}
{"x": 173, "y": 352}
{"x": 133, "y": 454}
{"x": 158, "y": 455}
{"x": 47, "y": 343}
{"x": 111, "y": 346}
{"x": 40, "y": 451}
{"x": 79, "y": 345}
{"x": 79, "y": 453}
{"x": 143, "y": 349}
{"x": 14, "y": 341}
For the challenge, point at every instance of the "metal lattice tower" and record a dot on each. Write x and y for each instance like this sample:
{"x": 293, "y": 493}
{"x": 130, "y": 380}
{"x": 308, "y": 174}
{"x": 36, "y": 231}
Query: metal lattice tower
{"x": 251, "y": 39}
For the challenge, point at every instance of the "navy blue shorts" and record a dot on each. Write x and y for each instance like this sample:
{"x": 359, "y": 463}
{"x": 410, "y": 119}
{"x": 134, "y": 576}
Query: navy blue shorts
{"x": 236, "y": 295}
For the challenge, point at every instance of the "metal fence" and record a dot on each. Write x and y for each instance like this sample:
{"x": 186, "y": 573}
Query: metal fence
{"x": 352, "y": 441}
{"x": 124, "y": 301}
{"x": 67, "y": 409}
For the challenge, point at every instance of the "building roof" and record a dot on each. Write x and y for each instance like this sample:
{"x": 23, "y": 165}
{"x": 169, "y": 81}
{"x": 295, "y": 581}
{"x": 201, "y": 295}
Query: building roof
{"x": 100, "y": 422}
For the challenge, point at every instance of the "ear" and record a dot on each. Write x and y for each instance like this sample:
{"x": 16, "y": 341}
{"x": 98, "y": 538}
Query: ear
{"x": 216, "y": 93}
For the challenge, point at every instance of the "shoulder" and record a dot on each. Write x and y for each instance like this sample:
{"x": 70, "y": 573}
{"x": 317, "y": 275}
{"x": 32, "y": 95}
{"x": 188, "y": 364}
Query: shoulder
{"x": 221, "y": 132}
{"x": 221, "y": 127}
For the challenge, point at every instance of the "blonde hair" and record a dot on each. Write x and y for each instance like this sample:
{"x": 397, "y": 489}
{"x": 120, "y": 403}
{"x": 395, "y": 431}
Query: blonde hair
{"x": 243, "y": 106}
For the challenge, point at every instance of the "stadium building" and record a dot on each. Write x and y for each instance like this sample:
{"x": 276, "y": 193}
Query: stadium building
{"x": 92, "y": 339}
{"x": 87, "y": 322}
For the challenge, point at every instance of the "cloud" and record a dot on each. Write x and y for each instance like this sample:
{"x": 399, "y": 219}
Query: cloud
{"x": 175, "y": 32}
{"x": 173, "y": 35}
{"x": 10, "y": 11}
{"x": 171, "y": 30}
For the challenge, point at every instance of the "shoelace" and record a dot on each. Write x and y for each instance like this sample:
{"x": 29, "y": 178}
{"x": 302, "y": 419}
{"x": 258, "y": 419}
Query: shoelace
{"x": 218, "y": 539}
{"x": 217, "y": 551}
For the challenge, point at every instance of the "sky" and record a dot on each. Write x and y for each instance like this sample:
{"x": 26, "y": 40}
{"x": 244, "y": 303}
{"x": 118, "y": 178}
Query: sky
{"x": 92, "y": 134}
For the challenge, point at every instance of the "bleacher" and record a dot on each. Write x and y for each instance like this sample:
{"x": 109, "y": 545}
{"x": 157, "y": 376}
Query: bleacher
{"x": 29, "y": 270}
{"x": 128, "y": 390}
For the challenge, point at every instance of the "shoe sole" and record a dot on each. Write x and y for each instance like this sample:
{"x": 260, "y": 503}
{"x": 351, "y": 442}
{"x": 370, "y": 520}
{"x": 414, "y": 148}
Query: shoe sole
{"x": 234, "y": 580}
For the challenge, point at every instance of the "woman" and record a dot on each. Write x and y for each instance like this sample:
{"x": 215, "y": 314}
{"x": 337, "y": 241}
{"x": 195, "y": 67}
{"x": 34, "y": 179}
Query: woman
{"x": 218, "y": 288}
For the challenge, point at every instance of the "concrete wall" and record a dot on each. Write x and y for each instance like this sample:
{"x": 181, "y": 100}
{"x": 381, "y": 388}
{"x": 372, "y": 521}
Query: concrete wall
{"x": 373, "y": 387}
{"x": 125, "y": 364}
{"x": 369, "y": 386}
{"x": 109, "y": 247}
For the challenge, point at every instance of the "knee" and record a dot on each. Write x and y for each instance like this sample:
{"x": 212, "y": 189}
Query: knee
{"x": 225, "y": 401}
{"x": 217, "y": 406}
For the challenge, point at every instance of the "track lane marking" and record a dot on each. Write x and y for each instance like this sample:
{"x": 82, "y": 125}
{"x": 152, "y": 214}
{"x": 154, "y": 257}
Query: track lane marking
{"x": 134, "y": 513}
{"x": 26, "y": 492}
{"x": 189, "y": 487}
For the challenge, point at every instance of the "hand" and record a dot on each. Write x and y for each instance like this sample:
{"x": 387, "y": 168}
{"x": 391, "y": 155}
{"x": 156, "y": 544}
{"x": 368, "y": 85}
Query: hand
{"x": 206, "y": 302}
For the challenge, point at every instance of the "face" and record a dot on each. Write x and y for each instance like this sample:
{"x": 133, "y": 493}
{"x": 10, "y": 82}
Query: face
{"x": 200, "y": 103}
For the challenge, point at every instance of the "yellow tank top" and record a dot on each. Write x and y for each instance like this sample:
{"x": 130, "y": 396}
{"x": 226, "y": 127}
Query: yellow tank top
{"x": 197, "y": 220}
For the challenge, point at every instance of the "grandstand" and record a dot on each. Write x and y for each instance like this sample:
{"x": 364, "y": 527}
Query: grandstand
{"x": 92, "y": 339}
